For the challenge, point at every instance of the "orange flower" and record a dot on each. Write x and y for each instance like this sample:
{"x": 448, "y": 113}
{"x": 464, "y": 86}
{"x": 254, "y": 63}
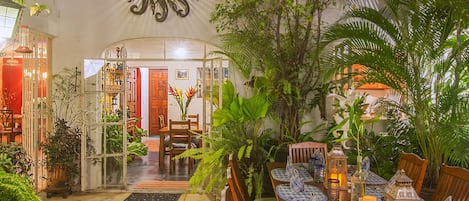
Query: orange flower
{"x": 177, "y": 93}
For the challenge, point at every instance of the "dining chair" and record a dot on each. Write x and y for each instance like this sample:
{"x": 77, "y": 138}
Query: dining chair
{"x": 8, "y": 125}
{"x": 239, "y": 190}
{"x": 180, "y": 140}
{"x": 453, "y": 181}
{"x": 303, "y": 151}
{"x": 414, "y": 168}
{"x": 194, "y": 120}
{"x": 226, "y": 194}
{"x": 238, "y": 187}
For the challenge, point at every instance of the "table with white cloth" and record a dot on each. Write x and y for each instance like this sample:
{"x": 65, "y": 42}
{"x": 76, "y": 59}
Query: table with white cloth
{"x": 283, "y": 192}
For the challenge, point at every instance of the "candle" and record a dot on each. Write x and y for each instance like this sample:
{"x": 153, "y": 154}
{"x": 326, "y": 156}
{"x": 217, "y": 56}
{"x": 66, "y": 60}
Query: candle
{"x": 368, "y": 198}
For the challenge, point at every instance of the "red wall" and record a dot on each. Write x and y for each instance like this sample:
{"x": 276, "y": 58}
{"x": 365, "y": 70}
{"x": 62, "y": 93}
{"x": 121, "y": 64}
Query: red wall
{"x": 12, "y": 82}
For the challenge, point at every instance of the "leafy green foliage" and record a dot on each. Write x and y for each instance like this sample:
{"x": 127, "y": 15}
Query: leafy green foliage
{"x": 63, "y": 148}
{"x": 237, "y": 128}
{"x": 409, "y": 46}
{"x": 276, "y": 43}
{"x": 16, "y": 188}
{"x": 13, "y": 159}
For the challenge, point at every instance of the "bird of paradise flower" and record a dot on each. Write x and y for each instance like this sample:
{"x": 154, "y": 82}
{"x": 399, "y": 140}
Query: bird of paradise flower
{"x": 178, "y": 94}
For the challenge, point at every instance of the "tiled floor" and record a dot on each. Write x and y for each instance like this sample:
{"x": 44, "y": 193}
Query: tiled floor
{"x": 119, "y": 196}
{"x": 145, "y": 175}
{"x": 147, "y": 168}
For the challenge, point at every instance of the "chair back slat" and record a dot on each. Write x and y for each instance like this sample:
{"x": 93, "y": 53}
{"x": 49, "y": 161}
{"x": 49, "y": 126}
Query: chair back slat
{"x": 194, "y": 120}
{"x": 453, "y": 181}
{"x": 180, "y": 140}
{"x": 239, "y": 189}
{"x": 414, "y": 168}
{"x": 303, "y": 151}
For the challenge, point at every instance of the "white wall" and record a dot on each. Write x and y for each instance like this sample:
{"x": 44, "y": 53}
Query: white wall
{"x": 173, "y": 109}
{"x": 83, "y": 28}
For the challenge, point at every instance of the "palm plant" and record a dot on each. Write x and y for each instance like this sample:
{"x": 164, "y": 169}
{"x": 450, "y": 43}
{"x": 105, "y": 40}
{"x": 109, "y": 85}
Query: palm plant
{"x": 408, "y": 46}
{"x": 237, "y": 128}
{"x": 275, "y": 43}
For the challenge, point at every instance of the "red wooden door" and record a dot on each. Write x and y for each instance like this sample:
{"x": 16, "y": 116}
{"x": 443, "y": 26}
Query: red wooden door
{"x": 158, "y": 95}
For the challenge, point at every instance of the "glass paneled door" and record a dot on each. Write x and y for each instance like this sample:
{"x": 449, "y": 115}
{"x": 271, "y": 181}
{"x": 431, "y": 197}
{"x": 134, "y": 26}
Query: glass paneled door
{"x": 104, "y": 143}
{"x": 215, "y": 73}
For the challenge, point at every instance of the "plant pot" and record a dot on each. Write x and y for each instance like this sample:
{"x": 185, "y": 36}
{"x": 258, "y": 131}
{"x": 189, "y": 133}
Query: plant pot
{"x": 58, "y": 182}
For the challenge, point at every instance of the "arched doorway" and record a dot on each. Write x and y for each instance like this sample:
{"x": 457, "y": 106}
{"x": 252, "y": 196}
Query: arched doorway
{"x": 167, "y": 58}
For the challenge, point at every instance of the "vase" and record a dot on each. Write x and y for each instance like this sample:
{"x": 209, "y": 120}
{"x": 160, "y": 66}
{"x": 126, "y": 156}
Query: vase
{"x": 357, "y": 182}
{"x": 183, "y": 116}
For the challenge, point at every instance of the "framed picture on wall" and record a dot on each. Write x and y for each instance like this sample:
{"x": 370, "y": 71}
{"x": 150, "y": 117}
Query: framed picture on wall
{"x": 182, "y": 74}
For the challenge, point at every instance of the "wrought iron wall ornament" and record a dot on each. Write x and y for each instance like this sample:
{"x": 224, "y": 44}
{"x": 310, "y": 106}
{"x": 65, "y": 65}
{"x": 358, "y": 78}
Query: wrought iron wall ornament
{"x": 160, "y": 9}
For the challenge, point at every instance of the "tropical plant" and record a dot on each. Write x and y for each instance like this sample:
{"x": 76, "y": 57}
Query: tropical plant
{"x": 237, "y": 128}
{"x": 179, "y": 96}
{"x": 276, "y": 44}
{"x": 16, "y": 188}
{"x": 13, "y": 159}
{"x": 417, "y": 49}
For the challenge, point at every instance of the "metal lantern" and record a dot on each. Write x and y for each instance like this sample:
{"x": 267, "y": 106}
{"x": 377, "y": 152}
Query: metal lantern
{"x": 402, "y": 190}
{"x": 336, "y": 167}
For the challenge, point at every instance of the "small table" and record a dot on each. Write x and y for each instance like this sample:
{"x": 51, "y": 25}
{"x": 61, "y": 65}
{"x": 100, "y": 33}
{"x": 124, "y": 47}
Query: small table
{"x": 162, "y": 133}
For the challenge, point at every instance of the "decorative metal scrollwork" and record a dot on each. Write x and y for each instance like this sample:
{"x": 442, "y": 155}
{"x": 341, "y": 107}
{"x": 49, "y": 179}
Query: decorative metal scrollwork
{"x": 160, "y": 9}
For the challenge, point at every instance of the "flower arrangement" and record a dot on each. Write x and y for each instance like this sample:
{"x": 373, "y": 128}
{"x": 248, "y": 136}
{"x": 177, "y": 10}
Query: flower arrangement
{"x": 178, "y": 94}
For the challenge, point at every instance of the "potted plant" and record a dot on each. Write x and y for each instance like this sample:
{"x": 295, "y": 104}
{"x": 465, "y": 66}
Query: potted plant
{"x": 62, "y": 147}
{"x": 62, "y": 150}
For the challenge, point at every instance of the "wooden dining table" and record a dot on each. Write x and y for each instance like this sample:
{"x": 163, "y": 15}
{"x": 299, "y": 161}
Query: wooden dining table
{"x": 374, "y": 185}
{"x": 162, "y": 133}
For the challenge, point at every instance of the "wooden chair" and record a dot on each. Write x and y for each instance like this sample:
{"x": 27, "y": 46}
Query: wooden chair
{"x": 239, "y": 190}
{"x": 454, "y": 182}
{"x": 226, "y": 194}
{"x": 194, "y": 120}
{"x": 414, "y": 167}
{"x": 8, "y": 125}
{"x": 180, "y": 140}
{"x": 303, "y": 151}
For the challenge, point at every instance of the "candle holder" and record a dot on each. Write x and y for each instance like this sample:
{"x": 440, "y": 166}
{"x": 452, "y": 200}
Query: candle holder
{"x": 337, "y": 167}
{"x": 333, "y": 189}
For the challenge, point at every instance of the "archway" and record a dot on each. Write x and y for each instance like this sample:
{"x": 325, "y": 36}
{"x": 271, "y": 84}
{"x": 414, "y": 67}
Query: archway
{"x": 201, "y": 68}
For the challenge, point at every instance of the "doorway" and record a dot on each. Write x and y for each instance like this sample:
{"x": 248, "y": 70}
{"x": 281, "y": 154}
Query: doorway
{"x": 158, "y": 99}
{"x": 159, "y": 61}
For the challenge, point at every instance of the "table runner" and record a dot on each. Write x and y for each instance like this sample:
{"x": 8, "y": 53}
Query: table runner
{"x": 377, "y": 191}
{"x": 371, "y": 179}
{"x": 280, "y": 174}
{"x": 284, "y": 192}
